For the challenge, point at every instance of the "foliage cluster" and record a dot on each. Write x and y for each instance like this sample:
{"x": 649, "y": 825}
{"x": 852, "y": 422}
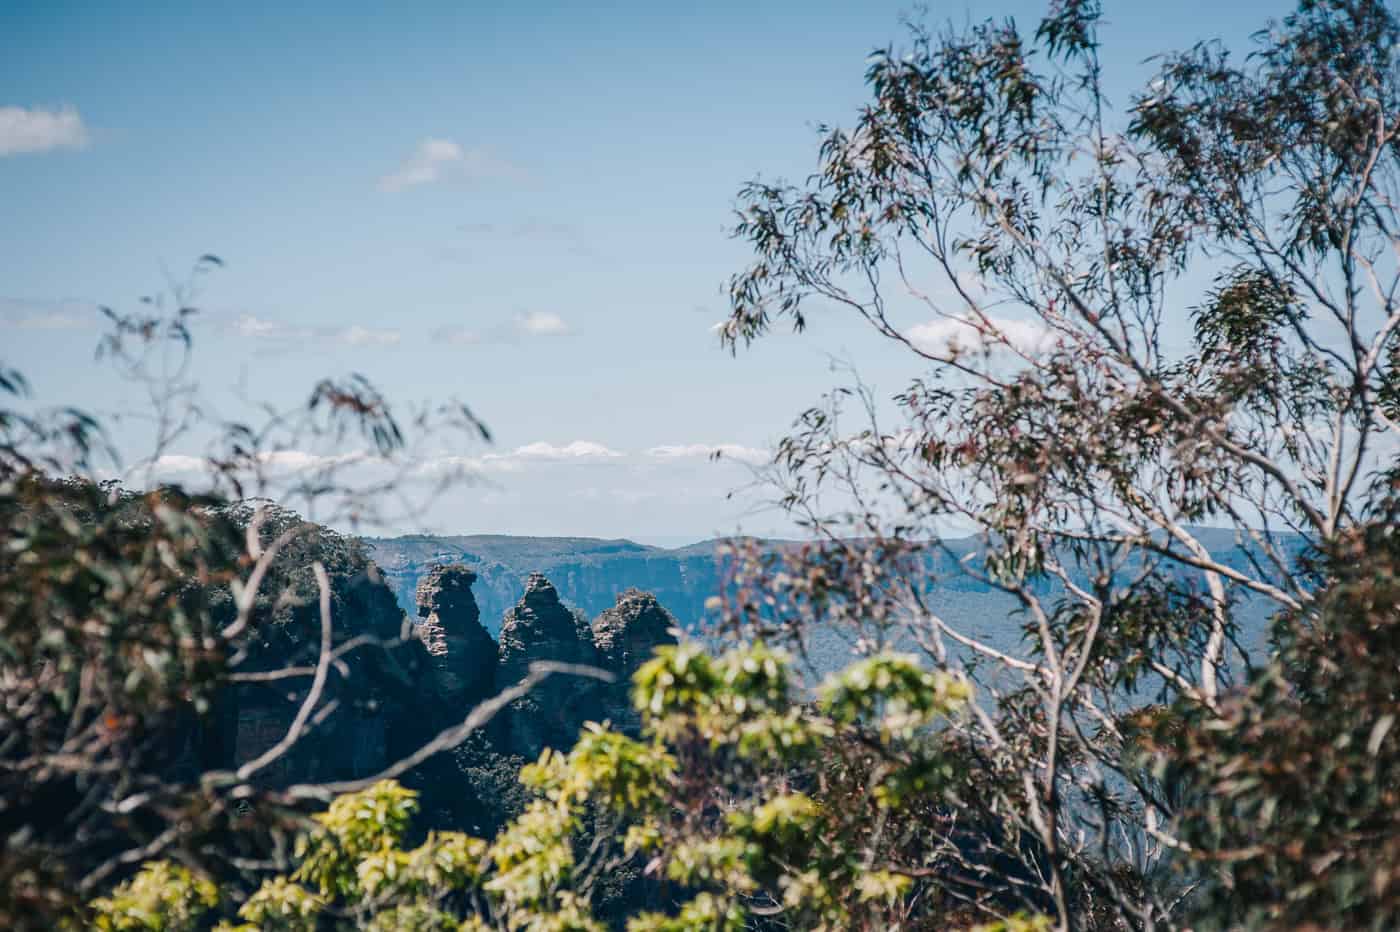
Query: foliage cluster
{"x": 739, "y": 794}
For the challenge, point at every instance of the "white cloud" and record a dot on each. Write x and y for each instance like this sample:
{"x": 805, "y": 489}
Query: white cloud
{"x": 450, "y": 465}
{"x": 526, "y": 326}
{"x": 732, "y": 451}
{"x": 262, "y": 328}
{"x": 967, "y": 334}
{"x": 178, "y": 464}
{"x": 539, "y": 453}
{"x": 40, "y": 130}
{"x": 578, "y": 450}
{"x": 543, "y": 454}
{"x": 302, "y": 461}
{"x": 73, "y": 315}
{"x": 542, "y": 324}
{"x": 428, "y": 163}
{"x": 442, "y": 159}
{"x": 277, "y": 461}
{"x": 46, "y": 315}
{"x": 363, "y": 336}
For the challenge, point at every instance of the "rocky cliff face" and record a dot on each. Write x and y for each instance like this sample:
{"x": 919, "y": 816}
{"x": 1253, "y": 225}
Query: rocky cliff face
{"x": 538, "y": 628}
{"x": 625, "y": 637}
{"x": 626, "y": 634}
{"x": 463, "y": 653}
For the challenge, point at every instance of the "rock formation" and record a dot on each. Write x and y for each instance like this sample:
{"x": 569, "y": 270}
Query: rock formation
{"x": 463, "y": 653}
{"x": 538, "y": 628}
{"x": 625, "y": 637}
{"x": 628, "y": 633}
{"x": 390, "y": 702}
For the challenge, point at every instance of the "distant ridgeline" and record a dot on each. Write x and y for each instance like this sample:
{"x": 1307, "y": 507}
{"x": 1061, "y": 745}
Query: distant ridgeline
{"x": 590, "y": 572}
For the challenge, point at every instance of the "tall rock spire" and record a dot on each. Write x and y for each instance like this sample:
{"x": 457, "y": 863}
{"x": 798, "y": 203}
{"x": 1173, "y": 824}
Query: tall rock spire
{"x": 626, "y": 635}
{"x": 541, "y": 627}
{"x": 463, "y": 653}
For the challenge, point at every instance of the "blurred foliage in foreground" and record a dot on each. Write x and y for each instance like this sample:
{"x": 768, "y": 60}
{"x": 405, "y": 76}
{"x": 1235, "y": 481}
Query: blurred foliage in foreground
{"x": 737, "y": 793}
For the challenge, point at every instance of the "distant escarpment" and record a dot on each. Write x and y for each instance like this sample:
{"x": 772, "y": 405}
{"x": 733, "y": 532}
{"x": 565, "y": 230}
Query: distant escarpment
{"x": 588, "y": 573}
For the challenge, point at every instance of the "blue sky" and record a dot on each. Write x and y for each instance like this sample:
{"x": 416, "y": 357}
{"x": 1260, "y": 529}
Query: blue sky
{"x": 521, "y": 205}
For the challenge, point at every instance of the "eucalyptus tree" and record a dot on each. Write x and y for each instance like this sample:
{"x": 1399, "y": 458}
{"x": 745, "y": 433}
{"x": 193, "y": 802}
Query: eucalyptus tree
{"x": 1158, "y": 344}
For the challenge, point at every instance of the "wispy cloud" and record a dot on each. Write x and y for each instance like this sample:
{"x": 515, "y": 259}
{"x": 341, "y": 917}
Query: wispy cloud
{"x": 968, "y": 334}
{"x": 732, "y": 451}
{"x": 78, "y": 315}
{"x": 545, "y": 453}
{"x": 539, "y": 453}
{"x": 541, "y": 324}
{"x": 274, "y": 462}
{"x": 365, "y": 336}
{"x": 530, "y": 325}
{"x": 254, "y": 327}
{"x": 539, "y": 457}
{"x": 577, "y": 450}
{"x": 40, "y": 130}
{"x": 464, "y": 465}
{"x": 179, "y": 464}
{"x": 47, "y": 315}
{"x": 435, "y": 160}
{"x": 261, "y": 328}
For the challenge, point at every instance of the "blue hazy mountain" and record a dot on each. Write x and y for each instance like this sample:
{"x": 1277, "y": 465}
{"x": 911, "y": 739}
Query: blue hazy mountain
{"x": 590, "y": 572}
